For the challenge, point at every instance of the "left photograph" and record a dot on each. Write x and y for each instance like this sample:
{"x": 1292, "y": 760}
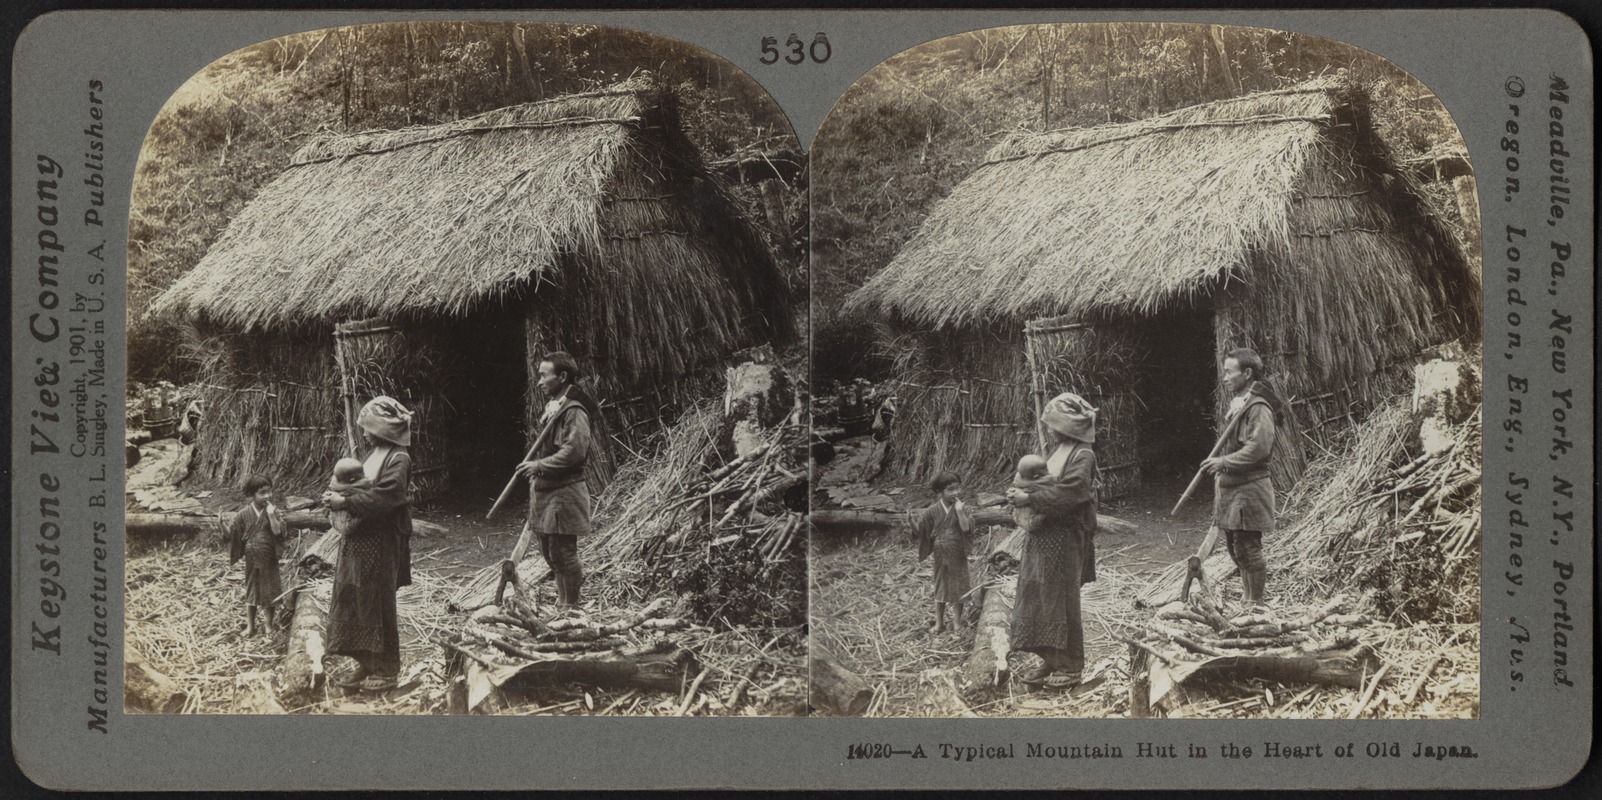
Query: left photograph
{"x": 467, "y": 375}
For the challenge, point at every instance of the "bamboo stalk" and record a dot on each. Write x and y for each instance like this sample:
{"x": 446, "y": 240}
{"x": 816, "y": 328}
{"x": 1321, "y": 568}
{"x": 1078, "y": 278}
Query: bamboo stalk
{"x": 1368, "y": 693}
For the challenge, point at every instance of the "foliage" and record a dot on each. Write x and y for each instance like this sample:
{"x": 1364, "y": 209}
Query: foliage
{"x": 233, "y": 127}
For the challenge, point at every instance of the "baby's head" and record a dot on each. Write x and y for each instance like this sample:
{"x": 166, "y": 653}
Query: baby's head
{"x": 1032, "y": 467}
{"x": 348, "y": 470}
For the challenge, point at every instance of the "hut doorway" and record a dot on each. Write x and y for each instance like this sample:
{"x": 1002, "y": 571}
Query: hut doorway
{"x": 1154, "y": 381}
{"x": 486, "y": 394}
{"x": 1177, "y": 381}
{"x": 465, "y": 383}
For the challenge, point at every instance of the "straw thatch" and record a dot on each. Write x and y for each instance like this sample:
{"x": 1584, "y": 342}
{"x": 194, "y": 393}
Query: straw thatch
{"x": 1280, "y": 215}
{"x": 588, "y": 221}
{"x": 588, "y": 197}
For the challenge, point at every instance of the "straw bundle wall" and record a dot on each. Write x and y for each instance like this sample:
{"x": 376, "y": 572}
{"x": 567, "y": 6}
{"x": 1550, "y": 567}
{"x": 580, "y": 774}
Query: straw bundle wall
{"x": 270, "y": 410}
{"x": 963, "y": 405}
{"x": 275, "y": 405}
{"x": 1096, "y": 361}
{"x": 379, "y": 357}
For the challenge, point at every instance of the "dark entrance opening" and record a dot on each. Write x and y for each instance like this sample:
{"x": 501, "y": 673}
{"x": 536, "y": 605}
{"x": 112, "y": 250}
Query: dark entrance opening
{"x": 484, "y": 391}
{"x": 1176, "y": 384}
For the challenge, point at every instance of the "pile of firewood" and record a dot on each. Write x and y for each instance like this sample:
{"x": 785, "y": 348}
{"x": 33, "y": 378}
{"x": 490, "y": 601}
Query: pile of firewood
{"x": 1193, "y": 638}
{"x": 512, "y": 645}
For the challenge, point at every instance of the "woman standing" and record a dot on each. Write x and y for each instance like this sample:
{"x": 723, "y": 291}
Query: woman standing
{"x": 1059, "y": 554}
{"x": 375, "y": 555}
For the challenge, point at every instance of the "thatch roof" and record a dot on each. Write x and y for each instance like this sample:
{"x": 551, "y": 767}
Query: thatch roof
{"x": 597, "y": 193}
{"x": 1131, "y": 218}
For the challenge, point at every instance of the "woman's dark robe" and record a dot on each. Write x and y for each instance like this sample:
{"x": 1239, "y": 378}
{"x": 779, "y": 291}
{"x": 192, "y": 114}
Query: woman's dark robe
{"x": 374, "y": 561}
{"x": 1058, "y": 557}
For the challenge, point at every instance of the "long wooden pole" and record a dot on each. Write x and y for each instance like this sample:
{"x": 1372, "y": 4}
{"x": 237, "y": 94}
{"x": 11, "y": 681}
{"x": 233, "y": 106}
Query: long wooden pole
{"x": 545, "y": 433}
{"x": 1218, "y": 446}
{"x": 1036, "y": 389}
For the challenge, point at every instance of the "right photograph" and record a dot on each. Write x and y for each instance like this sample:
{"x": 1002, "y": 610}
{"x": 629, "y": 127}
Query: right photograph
{"x": 1147, "y": 371}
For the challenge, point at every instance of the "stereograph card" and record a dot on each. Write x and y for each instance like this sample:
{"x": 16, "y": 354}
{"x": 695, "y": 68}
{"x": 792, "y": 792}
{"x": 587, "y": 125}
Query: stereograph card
{"x": 774, "y": 399}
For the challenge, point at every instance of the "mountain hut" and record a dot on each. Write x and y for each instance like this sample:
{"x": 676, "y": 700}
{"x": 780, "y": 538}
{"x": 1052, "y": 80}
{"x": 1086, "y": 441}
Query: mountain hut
{"x": 438, "y": 264}
{"x": 1123, "y": 261}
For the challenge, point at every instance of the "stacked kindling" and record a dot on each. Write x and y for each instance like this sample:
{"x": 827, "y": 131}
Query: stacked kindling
{"x": 1193, "y": 639}
{"x": 513, "y": 645}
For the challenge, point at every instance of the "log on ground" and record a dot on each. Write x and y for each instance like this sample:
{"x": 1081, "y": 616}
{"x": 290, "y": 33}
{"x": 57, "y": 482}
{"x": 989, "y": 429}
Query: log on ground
{"x": 847, "y": 520}
{"x": 835, "y": 689}
{"x": 985, "y": 672}
{"x": 147, "y": 690}
{"x": 1336, "y": 669}
{"x": 657, "y": 670}
{"x": 157, "y": 525}
{"x": 302, "y": 668}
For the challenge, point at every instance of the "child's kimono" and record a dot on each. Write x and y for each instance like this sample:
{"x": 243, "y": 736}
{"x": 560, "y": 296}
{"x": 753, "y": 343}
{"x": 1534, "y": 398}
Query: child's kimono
{"x": 944, "y": 533}
{"x": 257, "y": 536}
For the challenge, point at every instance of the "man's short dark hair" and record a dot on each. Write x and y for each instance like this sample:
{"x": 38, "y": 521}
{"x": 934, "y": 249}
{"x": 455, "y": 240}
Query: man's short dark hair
{"x": 256, "y": 483}
{"x": 943, "y": 480}
{"x": 562, "y": 362}
{"x": 1247, "y": 359}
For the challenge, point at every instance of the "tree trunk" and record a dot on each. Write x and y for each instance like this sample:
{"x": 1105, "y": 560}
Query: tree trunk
{"x": 835, "y": 689}
{"x": 1217, "y": 33}
{"x": 833, "y": 520}
{"x": 155, "y": 524}
{"x": 308, "y": 637}
{"x": 146, "y": 690}
{"x": 986, "y": 669}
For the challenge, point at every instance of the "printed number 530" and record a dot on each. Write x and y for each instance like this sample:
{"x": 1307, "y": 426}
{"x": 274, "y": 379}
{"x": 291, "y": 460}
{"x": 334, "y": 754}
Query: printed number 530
{"x": 795, "y": 51}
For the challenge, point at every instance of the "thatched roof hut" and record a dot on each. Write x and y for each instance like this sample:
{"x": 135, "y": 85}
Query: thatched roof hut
{"x": 585, "y": 223}
{"x": 1276, "y": 221}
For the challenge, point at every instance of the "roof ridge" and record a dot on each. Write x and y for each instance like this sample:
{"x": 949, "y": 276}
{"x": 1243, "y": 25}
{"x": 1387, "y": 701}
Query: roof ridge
{"x": 1163, "y": 123}
{"x": 342, "y": 145}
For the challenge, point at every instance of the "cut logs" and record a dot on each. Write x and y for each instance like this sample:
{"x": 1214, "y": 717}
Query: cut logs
{"x": 508, "y": 646}
{"x": 836, "y": 690}
{"x": 1185, "y": 640}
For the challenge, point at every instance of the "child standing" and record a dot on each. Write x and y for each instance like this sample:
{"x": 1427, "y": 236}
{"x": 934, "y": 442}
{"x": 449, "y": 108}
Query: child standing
{"x": 943, "y": 530}
{"x": 256, "y": 534}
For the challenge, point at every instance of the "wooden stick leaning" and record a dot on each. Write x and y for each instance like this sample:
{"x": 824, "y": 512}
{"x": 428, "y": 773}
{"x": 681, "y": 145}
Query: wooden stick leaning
{"x": 539, "y": 441}
{"x": 1229, "y": 430}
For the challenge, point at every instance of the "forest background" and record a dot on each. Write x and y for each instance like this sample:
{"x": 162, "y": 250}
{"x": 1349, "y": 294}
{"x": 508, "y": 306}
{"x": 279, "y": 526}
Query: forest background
{"x": 233, "y": 127}
{"x": 906, "y": 133}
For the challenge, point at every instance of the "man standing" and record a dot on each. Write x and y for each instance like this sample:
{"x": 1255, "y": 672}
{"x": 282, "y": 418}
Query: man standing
{"x": 1243, "y": 495}
{"x": 559, "y": 501}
